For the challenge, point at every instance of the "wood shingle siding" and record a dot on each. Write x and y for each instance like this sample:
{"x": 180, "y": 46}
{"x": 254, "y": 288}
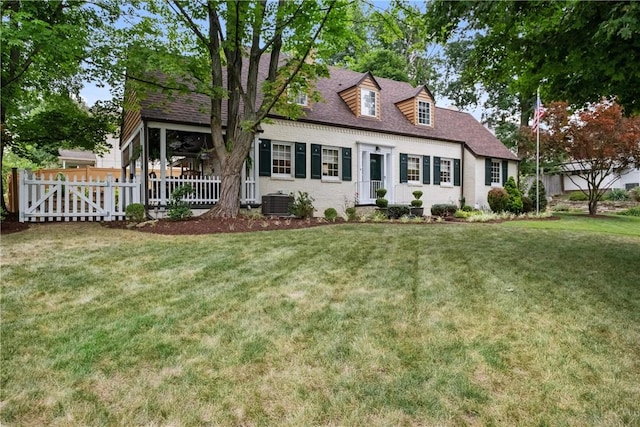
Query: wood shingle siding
{"x": 132, "y": 116}
{"x": 352, "y": 98}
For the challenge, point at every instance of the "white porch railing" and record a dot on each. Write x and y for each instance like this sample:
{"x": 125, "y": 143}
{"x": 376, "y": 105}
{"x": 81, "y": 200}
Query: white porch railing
{"x": 367, "y": 191}
{"x": 206, "y": 190}
{"x": 56, "y": 199}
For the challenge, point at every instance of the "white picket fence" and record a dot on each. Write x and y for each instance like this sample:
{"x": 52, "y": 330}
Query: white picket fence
{"x": 57, "y": 199}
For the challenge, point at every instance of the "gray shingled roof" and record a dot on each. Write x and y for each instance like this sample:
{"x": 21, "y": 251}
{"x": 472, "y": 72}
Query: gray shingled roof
{"x": 449, "y": 125}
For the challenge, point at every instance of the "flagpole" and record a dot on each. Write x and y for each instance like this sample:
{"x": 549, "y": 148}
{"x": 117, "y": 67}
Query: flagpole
{"x": 538, "y": 154}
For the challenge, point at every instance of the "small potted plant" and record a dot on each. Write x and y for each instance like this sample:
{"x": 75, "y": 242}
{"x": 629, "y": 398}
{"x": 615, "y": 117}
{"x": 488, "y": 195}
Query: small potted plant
{"x": 416, "y": 204}
{"x": 381, "y": 202}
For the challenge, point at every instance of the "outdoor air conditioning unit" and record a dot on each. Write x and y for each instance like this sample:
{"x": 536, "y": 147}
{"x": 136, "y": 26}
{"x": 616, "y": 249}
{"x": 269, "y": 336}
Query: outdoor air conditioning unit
{"x": 276, "y": 204}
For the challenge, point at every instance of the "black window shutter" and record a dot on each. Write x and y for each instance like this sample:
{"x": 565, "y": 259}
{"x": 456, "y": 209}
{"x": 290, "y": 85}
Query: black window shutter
{"x": 426, "y": 169}
{"x": 301, "y": 160}
{"x": 436, "y": 170}
{"x": 487, "y": 171}
{"x": 505, "y": 171}
{"x": 316, "y": 161}
{"x": 404, "y": 160}
{"x": 456, "y": 172}
{"x": 264, "y": 161}
{"x": 346, "y": 164}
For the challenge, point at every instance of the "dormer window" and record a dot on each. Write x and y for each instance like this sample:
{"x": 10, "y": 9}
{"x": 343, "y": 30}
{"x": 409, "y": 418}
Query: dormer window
{"x": 424, "y": 113}
{"x": 301, "y": 98}
{"x": 368, "y": 100}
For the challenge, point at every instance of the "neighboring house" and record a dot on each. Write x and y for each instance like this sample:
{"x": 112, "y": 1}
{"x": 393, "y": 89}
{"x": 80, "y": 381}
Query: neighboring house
{"x": 572, "y": 182}
{"x": 70, "y": 159}
{"x": 76, "y": 158}
{"x": 366, "y": 133}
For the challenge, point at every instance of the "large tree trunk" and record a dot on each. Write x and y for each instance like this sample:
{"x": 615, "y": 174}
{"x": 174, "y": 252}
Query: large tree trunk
{"x": 593, "y": 206}
{"x": 228, "y": 205}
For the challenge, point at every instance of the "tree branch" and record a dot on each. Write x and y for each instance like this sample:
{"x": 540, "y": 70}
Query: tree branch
{"x": 190, "y": 23}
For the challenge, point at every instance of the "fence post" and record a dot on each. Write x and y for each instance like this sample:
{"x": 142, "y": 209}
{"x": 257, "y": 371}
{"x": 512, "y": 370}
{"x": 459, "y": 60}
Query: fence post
{"x": 22, "y": 188}
{"x": 109, "y": 198}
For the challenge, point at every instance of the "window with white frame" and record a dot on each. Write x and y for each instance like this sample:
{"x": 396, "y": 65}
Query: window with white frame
{"x": 413, "y": 168}
{"x": 281, "y": 159}
{"x": 330, "y": 163}
{"x": 301, "y": 98}
{"x": 496, "y": 169}
{"x": 446, "y": 168}
{"x": 424, "y": 113}
{"x": 368, "y": 102}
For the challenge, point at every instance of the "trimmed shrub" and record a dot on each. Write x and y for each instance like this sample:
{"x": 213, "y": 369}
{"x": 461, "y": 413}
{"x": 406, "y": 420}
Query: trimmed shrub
{"x": 467, "y": 208}
{"x": 416, "y": 203}
{"x": 443, "y": 210}
{"x": 634, "y": 194}
{"x": 398, "y": 211}
{"x": 351, "y": 214}
{"x": 543, "y": 196}
{"x": 381, "y": 192}
{"x": 330, "y": 214}
{"x": 135, "y": 212}
{"x": 617, "y": 194}
{"x": 498, "y": 199}
{"x": 417, "y": 194}
{"x": 515, "y": 198}
{"x": 578, "y": 196}
{"x": 178, "y": 209}
{"x": 302, "y": 205}
{"x": 382, "y": 203}
{"x": 527, "y": 204}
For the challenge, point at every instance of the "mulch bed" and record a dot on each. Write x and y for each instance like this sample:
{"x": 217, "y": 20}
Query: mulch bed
{"x": 198, "y": 226}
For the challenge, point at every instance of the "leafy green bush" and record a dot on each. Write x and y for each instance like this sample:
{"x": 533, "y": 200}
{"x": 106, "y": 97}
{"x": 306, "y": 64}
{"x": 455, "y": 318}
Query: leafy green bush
{"x": 398, "y": 211}
{"x": 617, "y": 194}
{"x": 330, "y": 214}
{"x": 351, "y": 214}
{"x": 467, "y": 208}
{"x": 515, "y": 198}
{"x": 417, "y": 194}
{"x": 302, "y": 205}
{"x": 542, "y": 196}
{"x": 443, "y": 210}
{"x": 578, "y": 196}
{"x": 634, "y": 194}
{"x": 562, "y": 208}
{"x": 381, "y": 192}
{"x": 178, "y": 209}
{"x": 527, "y": 204}
{"x": 461, "y": 213}
{"x": 416, "y": 203}
{"x": 634, "y": 211}
{"x": 498, "y": 199}
{"x": 135, "y": 212}
{"x": 382, "y": 203}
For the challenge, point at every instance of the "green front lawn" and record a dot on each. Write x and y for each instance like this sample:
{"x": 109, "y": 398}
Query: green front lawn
{"x": 354, "y": 325}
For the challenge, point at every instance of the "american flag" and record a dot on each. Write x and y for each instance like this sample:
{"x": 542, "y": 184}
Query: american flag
{"x": 538, "y": 113}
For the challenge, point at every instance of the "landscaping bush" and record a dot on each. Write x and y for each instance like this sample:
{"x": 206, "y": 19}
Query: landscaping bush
{"x": 498, "y": 199}
{"x": 542, "y": 196}
{"x": 578, "y": 196}
{"x": 416, "y": 203}
{"x": 178, "y": 209}
{"x": 398, "y": 211}
{"x": 527, "y": 204}
{"x": 634, "y": 194}
{"x": 351, "y": 214}
{"x": 461, "y": 213}
{"x": 381, "y": 202}
{"x": 302, "y": 205}
{"x": 515, "y": 198}
{"x": 443, "y": 210}
{"x": 634, "y": 211}
{"x": 330, "y": 214}
{"x": 467, "y": 208}
{"x": 135, "y": 212}
{"x": 617, "y": 194}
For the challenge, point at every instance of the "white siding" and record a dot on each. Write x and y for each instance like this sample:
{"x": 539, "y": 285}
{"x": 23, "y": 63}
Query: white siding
{"x": 341, "y": 194}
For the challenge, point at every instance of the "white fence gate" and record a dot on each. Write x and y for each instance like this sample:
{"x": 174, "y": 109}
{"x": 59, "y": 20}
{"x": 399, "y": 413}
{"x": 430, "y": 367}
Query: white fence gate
{"x": 56, "y": 199}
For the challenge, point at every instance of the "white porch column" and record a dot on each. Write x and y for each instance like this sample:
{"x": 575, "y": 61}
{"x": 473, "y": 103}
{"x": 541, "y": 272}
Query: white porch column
{"x": 163, "y": 166}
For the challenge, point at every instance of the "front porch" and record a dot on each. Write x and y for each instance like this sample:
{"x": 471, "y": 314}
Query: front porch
{"x": 168, "y": 156}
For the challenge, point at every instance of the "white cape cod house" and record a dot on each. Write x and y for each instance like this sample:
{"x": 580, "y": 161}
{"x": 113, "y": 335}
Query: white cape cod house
{"x": 366, "y": 133}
